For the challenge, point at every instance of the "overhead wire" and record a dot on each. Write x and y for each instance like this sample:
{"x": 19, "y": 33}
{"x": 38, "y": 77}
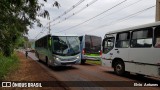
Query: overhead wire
{"x": 120, "y": 20}
{"x": 93, "y": 17}
{"x": 127, "y": 6}
{"x": 67, "y": 11}
{"x": 75, "y": 13}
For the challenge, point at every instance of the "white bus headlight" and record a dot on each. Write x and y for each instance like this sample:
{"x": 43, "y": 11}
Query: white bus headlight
{"x": 77, "y": 57}
{"x": 57, "y": 58}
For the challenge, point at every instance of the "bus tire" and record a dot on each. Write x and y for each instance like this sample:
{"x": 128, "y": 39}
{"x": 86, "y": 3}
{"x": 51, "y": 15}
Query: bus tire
{"x": 119, "y": 68}
{"x": 83, "y": 61}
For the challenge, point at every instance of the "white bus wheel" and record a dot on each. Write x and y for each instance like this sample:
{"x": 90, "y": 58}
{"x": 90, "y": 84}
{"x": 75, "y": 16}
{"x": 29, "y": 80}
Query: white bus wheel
{"x": 119, "y": 68}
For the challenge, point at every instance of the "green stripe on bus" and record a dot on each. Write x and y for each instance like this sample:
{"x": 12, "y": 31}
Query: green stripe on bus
{"x": 92, "y": 54}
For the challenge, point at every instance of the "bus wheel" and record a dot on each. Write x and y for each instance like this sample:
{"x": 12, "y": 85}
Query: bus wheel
{"x": 119, "y": 68}
{"x": 83, "y": 61}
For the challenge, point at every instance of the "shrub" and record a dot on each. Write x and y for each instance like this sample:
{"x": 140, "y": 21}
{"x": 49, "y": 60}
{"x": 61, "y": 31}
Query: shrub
{"x": 7, "y": 64}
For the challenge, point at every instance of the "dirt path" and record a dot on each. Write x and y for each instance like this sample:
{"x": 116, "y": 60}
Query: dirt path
{"x": 29, "y": 70}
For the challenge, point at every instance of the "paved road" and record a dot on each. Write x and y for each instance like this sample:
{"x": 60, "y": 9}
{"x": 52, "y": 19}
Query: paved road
{"x": 90, "y": 72}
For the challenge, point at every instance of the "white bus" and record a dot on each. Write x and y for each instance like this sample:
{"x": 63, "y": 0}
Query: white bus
{"x": 135, "y": 50}
{"x": 90, "y": 47}
{"x": 58, "y": 50}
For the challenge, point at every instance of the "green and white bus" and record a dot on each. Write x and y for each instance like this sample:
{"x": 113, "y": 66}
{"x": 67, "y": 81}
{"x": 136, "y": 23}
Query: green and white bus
{"x": 58, "y": 50}
{"x": 90, "y": 47}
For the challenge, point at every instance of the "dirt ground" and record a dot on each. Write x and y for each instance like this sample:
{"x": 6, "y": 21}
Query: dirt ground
{"x": 29, "y": 70}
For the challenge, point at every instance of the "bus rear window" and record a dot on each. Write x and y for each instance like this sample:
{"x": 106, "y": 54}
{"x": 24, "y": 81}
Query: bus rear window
{"x": 92, "y": 44}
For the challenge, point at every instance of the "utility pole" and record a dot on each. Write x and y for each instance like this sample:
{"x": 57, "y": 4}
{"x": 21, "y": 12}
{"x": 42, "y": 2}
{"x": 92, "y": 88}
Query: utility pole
{"x": 157, "y": 10}
{"x": 49, "y": 29}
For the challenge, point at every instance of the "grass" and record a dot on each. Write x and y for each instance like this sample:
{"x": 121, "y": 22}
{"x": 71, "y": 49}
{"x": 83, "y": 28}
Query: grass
{"x": 97, "y": 62}
{"x": 7, "y": 65}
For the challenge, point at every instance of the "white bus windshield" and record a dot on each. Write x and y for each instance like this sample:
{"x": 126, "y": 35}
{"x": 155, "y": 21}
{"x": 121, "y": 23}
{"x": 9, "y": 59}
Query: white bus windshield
{"x": 65, "y": 45}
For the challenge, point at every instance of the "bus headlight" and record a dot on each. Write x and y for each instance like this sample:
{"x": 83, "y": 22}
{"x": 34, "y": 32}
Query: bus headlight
{"x": 56, "y": 58}
{"x": 77, "y": 57}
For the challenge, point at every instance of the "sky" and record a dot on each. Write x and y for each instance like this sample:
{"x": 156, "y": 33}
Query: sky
{"x": 117, "y": 14}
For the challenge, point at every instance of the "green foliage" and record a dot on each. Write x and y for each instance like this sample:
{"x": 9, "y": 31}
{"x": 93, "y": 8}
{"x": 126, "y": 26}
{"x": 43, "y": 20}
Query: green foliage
{"x": 1, "y": 54}
{"x": 8, "y": 64}
{"x": 20, "y": 42}
{"x": 15, "y": 17}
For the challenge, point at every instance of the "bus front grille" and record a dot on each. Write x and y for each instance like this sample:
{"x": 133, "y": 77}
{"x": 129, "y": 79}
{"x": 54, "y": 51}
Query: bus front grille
{"x": 68, "y": 63}
{"x": 71, "y": 59}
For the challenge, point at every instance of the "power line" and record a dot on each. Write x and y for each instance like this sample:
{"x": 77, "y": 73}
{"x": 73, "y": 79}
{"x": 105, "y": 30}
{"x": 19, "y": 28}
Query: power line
{"x": 94, "y": 16}
{"x": 40, "y": 32}
{"x": 87, "y": 5}
{"x": 120, "y": 20}
{"x": 117, "y": 10}
{"x": 67, "y": 11}
{"x": 122, "y": 8}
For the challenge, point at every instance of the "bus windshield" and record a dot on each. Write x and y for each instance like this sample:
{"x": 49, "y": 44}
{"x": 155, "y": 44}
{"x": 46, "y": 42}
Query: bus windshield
{"x": 65, "y": 45}
{"x": 108, "y": 44}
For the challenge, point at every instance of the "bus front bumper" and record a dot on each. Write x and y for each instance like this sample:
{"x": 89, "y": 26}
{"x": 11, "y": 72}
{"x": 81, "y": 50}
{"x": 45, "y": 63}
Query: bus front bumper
{"x": 91, "y": 57}
{"x": 106, "y": 62}
{"x": 66, "y": 62}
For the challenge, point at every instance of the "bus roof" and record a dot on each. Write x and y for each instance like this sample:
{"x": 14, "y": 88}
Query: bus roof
{"x": 59, "y": 35}
{"x": 55, "y": 34}
{"x": 90, "y": 35}
{"x": 136, "y": 27}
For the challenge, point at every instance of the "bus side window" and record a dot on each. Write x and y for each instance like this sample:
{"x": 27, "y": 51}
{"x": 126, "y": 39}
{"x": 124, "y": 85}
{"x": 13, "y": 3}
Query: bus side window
{"x": 142, "y": 38}
{"x": 157, "y": 37}
{"x": 122, "y": 40}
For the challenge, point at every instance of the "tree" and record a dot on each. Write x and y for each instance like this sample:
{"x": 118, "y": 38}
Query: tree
{"x": 15, "y": 17}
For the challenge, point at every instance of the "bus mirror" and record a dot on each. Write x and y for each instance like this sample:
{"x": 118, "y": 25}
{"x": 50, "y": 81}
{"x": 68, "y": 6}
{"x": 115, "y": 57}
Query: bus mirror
{"x": 103, "y": 42}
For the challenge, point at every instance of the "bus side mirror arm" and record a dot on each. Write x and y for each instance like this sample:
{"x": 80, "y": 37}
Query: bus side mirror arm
{"x": 103, "y": 43}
